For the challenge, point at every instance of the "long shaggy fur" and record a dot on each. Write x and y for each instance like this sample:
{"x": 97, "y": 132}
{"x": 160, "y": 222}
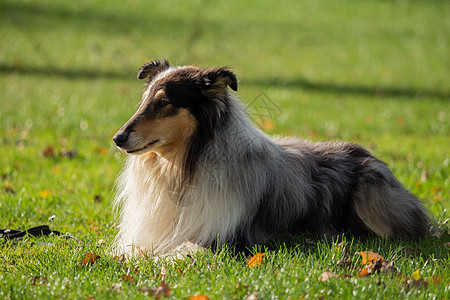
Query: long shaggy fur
{"x": 228, "y": 182}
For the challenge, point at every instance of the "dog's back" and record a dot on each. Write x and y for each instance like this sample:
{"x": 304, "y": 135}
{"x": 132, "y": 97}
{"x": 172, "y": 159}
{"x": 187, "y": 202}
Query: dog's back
{"x": 200, "y": 171}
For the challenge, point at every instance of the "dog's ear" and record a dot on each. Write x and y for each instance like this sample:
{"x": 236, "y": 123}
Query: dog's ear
{"x": 150, "y": 69}
{"x": 219, "y": 78}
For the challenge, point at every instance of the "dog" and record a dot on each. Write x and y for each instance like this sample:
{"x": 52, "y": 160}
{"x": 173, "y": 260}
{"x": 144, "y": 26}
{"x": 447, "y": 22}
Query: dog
{"x": 199, "y": 171}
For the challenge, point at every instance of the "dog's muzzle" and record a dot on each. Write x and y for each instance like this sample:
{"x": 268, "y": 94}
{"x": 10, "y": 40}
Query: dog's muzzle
{"x": 120, "y": 138}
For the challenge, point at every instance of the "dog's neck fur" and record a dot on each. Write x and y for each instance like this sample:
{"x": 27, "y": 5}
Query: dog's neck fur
{"x": 153, "y": 188}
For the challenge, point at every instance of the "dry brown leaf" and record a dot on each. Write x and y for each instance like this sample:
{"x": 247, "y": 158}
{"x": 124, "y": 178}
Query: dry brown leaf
{"x": 162, "y": 290}
{"x": 436, "y": 189}
{"x": 127, "y": 278}
{"x": 256, "y": 260}
{"x": 68, "y": 153}
{"x": 253, "y": 296}
{"x": 325, "y": 276}
{"x": 387, "y": 266}
{"x": 39, "y": 280}
{"x": 102, "y": 150}
{"x": 48, "y": 151}
{"x": 8, "y": 189}
{"x": 344, "y": 263}
{"x": 116, "y": 287}
{"x": 90, "y": 258}
{"x": 412, "y": 283}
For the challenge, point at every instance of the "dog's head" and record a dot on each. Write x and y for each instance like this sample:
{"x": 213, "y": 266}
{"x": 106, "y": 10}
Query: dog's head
{"x": 178, "y": 102}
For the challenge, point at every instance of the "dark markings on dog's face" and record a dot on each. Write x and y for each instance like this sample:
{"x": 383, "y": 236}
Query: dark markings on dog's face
{"x": 192, "y": 98}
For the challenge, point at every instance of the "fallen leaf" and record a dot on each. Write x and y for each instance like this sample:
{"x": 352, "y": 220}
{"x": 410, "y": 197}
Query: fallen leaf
{"x": 388, "y": 267}
{"x": 370, "y": 257}
{"x": 198, "y": 297}
{"x": 102, "y": 150}
{"x": 162, "y": 290}
{"x": 48, "y": 152}
{"x": 344, "y": 263}
{"x": 56, "y": 169}
{"x": 39, "y": 280}
{"x": 127, "y": 278}
{"x": 253, "y": 296}
{"x": 436, "y": 189}
{"x": 116, "y": 287}
{"x": 45, "y": 193}
{"x": 436, "y": 279}
{"x": 365, "y": 271}
{"x": 416, "y": 275}
{"x": 68, "y": 153}
{"x": 325, "y": 276}
{"x": 8, "y": 188}
{"x": 90, "y": 258}
{"x": 256, "y": 260}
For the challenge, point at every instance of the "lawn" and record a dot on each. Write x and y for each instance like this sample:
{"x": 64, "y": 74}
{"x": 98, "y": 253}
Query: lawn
{"x": 372, "y": 72}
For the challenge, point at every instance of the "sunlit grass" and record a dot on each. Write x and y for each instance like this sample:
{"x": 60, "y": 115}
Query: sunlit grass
{"x": 372, "y": 72}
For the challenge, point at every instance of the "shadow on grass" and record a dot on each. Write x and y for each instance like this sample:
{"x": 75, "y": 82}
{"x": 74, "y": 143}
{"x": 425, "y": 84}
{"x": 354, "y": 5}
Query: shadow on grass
{"x": 302, "y": 83}
{"x": 332, "y": 88}
{"x": 428, "y": 248}
{"x": 72, "y": 73}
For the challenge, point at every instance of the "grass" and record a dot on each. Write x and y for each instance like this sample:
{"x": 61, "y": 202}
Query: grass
{"x": 373, "y": 72}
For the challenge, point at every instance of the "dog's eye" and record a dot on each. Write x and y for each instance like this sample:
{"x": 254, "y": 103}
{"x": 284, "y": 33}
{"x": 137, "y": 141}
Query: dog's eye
{"x": 162, "y": 103}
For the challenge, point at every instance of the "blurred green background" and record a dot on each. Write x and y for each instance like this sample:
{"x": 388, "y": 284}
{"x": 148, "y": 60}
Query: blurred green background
{"x": 373, "y": 72}
{"x": 376, "y": 72}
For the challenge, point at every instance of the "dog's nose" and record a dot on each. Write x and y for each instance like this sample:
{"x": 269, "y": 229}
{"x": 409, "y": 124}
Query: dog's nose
{"x": 120, "y": 138}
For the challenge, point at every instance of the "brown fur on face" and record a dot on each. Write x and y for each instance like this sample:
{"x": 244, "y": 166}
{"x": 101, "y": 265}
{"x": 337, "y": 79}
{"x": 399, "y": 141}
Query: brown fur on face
{"x": 172, "y": 131}
{"x": 158, "y": 126}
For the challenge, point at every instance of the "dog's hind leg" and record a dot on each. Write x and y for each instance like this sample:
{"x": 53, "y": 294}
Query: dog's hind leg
{"x": 385, "y": 206}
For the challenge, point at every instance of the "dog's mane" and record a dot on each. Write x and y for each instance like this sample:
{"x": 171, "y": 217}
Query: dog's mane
{"x": 231, "y": 183}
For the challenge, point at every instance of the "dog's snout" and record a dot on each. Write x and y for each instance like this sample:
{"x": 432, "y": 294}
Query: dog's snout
{"x": 120, "y": 138}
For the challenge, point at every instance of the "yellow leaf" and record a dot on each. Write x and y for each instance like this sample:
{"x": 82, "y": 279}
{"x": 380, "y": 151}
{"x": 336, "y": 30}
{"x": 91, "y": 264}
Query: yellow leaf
{"x": 45, "y": 193}
{"x": 102, "y": 150}
{"x": 415, "y": 275}
{"x": 370, "y": 257}
{"x": 256, "y": 260}
{"x": 56, "y": 169}
{"x": 198, "y": 297}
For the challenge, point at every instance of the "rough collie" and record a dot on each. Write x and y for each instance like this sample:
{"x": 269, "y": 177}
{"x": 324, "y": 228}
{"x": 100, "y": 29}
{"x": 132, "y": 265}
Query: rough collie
{"x": 198, "y": 170}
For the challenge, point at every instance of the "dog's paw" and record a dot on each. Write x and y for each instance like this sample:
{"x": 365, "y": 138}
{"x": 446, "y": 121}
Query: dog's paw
{"x": 185, "y": 249}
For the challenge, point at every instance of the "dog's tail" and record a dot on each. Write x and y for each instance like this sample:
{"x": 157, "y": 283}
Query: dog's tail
{"x": 386, "y": 207}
